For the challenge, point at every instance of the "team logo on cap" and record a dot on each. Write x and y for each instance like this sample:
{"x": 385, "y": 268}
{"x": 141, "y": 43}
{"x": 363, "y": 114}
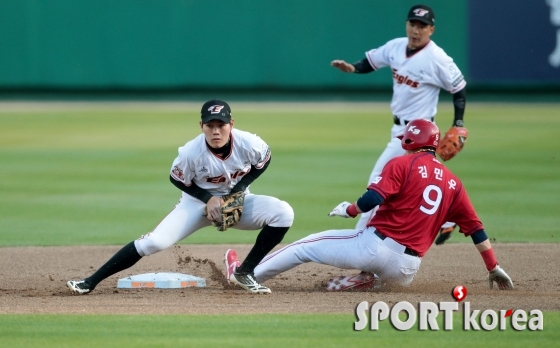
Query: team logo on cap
{"x": 420, "y": 12}
{"x": 215, "y": 109}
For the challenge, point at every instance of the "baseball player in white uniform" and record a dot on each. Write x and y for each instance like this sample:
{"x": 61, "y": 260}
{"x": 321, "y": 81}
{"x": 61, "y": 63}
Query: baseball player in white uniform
{"x": 420, "y": 69}
{"x": 219, "y": 161}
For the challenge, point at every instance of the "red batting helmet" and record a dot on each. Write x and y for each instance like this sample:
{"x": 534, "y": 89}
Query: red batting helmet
{"x": 420, "y": 133}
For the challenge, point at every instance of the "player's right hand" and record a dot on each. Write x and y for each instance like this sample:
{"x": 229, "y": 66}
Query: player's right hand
{"x": 340, "y": 210}
{"x": 343, "y": 66}
{"x": 214, "y": 209}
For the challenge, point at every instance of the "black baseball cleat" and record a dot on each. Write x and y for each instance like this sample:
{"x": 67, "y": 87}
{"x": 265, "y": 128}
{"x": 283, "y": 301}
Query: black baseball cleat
{"x": 247, "y": 281}
{"x": 80, "y": 287}
{"x": 444, "y": 234}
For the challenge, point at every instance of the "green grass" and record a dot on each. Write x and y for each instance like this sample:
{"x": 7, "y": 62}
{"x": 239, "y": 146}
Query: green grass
{"x": 100, "y": 176}
{"x": 297, "y": 330}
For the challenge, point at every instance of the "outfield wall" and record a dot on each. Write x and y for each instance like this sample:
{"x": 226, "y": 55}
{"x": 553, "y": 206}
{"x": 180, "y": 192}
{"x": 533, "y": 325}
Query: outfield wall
{"x": 251, "y": 44}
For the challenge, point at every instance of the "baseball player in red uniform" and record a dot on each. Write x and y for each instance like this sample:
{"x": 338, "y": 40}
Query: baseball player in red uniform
{"x": 219, "y": 161}
{"x": 420, "y": 69}
{"x": 415, "y": 194}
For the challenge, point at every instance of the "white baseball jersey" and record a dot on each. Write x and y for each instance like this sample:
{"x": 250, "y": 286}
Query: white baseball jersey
{"x": 417, "y": 79}
{"x": 196, "y": 163}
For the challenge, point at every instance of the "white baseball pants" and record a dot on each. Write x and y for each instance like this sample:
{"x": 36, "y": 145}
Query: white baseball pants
{"x": 392, "y": 150}
{"x": 348, "y": 249}
{"x": 187, "y": 218}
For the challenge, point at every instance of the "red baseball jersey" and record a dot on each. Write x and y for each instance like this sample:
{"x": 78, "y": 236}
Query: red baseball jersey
{"x": 420, "y": 195}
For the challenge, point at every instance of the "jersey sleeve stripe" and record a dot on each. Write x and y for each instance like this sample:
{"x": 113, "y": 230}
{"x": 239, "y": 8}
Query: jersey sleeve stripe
{"x": 459, "y": 87}
{"x": 370, "y": 61}
{"x": 262, "y": 163}
{"x": 175, "y": 177}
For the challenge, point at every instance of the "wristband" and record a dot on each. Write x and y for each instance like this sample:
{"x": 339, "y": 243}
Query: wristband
{"x": 352, "y": 210}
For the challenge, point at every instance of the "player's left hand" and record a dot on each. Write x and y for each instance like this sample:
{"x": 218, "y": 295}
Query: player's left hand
{"x": 231, "y": 209}
{"x": 501, "y": 278}
{"x": 340, "y": 210}
{"x": 452, "y": 143}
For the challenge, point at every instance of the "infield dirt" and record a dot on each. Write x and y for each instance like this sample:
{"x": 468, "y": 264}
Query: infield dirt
{"x": 33, "y": 280}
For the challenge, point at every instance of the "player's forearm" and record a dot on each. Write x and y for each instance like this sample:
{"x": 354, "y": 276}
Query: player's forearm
{"x": 193, "y": 190}
{"x": 363, "y": 67}
{"x": 369, "y": 200}
{"x": 459, "y": 101}
{"x": 483, "y": 246}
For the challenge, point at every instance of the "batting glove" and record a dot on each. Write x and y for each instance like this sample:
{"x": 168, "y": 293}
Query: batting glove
{"x": 340, "y": 210}
{"x": 501, "y": 278}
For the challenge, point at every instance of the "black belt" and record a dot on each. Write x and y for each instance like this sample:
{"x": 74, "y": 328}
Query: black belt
{"x": 407, "y": 250}
{"x": 398, "y": 121}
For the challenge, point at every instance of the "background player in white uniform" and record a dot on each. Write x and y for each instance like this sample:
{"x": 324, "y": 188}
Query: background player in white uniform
{"x": 415, "y": 194}
{"x": 219, "y": 161}
{"x": 420, "y": 69}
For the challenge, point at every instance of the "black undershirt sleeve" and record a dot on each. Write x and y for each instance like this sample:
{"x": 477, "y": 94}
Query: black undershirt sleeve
{"x": 203, "y": 195}
{"x": 193, "y": 190}
{"x": 369, "y": 200}
{"x": 363, "y": 67}
{"x": 479, "y": 237}
{"x": 459, "y": 100}
{"x": 248, "y": 178}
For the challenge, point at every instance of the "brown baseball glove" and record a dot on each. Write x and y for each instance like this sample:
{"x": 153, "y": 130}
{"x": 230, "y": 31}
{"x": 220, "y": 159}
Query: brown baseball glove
{"x": 232, "y": 209}
{"x": 452, "y": 143}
